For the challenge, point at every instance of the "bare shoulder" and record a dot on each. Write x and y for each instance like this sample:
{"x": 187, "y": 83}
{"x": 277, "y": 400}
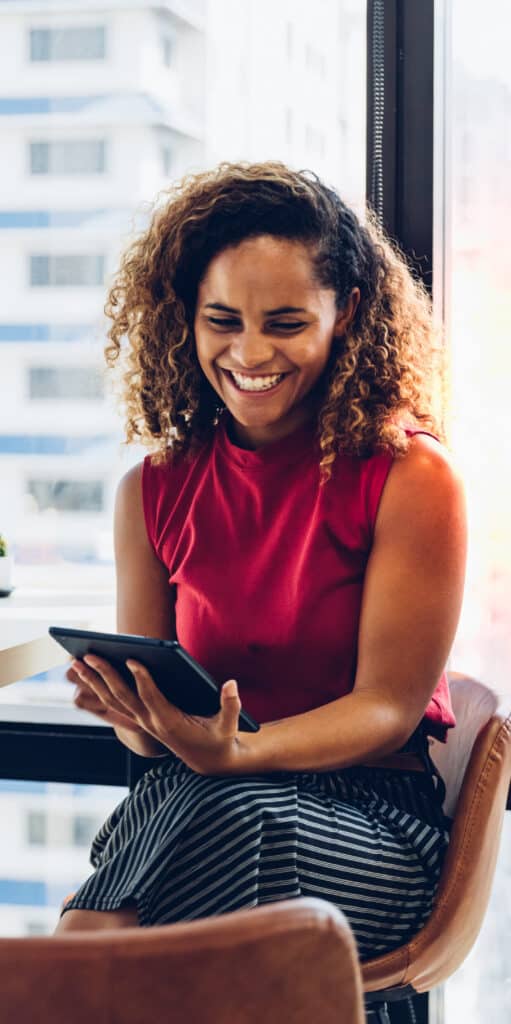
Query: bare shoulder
{"x": 424, "y": 484}
{"x": 144, "y": 599}
{"x": 129, "y": 511}
{"x": 129, "y": 519}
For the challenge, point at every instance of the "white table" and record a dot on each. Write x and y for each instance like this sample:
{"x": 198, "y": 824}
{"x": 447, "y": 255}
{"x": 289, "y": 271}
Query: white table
{"x": 27, "y": 649}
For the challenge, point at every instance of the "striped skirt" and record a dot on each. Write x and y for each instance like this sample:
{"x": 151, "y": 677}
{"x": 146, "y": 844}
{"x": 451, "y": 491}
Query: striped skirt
{"x": 182, "y": 846}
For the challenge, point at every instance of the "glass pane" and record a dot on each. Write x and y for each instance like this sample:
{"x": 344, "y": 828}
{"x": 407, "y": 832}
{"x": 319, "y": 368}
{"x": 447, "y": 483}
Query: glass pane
{"x": 50, "y": 828}
{"x": 65, "y": 382}
{"x": 478, "y": 321}
{"x": 84, "y": 43}
{"x": 81, "y": 156}
{"x": 179, "y": 94}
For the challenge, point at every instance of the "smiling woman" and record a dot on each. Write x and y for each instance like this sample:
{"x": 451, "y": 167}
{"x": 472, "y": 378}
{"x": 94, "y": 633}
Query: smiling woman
{"x": 254, "y": 356}
{"x": 298, "y": 531}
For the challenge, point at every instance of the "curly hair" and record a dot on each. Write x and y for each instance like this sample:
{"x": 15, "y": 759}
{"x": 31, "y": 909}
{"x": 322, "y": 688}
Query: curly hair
{"x": 387, "y": 368}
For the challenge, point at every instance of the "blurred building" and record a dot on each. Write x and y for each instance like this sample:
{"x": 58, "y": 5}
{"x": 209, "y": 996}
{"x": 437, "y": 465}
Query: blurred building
{"x": 102, "y": 105}
{"x": 99, "y": 108}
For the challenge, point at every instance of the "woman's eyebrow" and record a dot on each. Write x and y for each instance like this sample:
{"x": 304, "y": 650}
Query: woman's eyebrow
{"x": 268, "y": 312}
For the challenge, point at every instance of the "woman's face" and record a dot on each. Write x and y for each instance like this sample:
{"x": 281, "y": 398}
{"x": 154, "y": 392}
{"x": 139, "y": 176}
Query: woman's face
{"x": 264, "y": 330}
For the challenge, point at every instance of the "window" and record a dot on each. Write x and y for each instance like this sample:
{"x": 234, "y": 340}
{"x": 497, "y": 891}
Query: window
{"x": 65, "y": 382}
{"x": 166, "y": 160}
{"x": 212, "y": 110}
{"x": 45, "y": 332}
{"x": 67, "y": 495}
{"x": 36, "y": 822}
{"x": 74, "y": 156}
{"x": 72, "y": 270}
{"x": 50, "y": 444}
{"x": 475, "y": 95}
{"x": 59, "y": 858}
{"x": 84, "y": 829}
{"x": 167, "y": 45}
{"x": 86, "y": 42}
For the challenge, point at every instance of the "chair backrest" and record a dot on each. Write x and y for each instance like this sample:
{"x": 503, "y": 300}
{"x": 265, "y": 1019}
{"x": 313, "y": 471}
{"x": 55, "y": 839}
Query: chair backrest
{"x": 473, "y": 705}
{"x": 294, "y": 960}
{"x": 477, "y": 773}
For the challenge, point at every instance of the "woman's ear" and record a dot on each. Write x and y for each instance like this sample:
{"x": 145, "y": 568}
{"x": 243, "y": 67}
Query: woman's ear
{"x": 345, "y": 316}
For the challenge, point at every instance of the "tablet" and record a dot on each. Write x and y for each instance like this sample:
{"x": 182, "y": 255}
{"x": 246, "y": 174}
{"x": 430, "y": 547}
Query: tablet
{"x": 177, "y": 675}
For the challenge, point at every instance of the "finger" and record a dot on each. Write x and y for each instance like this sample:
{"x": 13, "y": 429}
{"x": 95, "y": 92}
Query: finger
{"x": 230, "y": 707}
{"x": 86, "y": 701}
{"x": 158, "y": 706}
{"x": 110, "y": 685}
{"x": 72, "y": 675}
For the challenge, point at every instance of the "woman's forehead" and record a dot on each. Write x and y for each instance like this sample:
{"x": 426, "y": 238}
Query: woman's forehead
{"x": 272, "y": 266}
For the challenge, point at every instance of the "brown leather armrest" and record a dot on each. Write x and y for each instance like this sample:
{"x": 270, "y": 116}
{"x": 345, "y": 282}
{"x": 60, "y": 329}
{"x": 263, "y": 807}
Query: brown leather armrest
{"x": 289, "y": 961}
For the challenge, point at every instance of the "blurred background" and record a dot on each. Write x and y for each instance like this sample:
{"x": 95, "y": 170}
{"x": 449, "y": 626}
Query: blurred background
{"x": 102, "y": 107}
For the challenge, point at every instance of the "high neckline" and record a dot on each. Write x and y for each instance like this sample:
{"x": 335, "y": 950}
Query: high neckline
{"x": 294, "y": 446}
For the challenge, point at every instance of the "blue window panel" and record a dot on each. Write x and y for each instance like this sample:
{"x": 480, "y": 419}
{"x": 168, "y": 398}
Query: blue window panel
{"x": 47, "y": 218}
{"x": 46, "y": 104}
{"x": 20, "y": 786}
{"x": 12, "y": 444}
{"x": 22, "y": 892}
{"x": 46, "y": 332}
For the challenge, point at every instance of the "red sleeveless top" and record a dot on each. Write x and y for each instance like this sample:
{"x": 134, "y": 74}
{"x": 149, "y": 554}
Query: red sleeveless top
{"x": 268, "y": 567}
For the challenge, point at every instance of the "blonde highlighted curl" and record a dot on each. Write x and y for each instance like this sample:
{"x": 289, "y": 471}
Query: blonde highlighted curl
{"x": 386, "y": 371}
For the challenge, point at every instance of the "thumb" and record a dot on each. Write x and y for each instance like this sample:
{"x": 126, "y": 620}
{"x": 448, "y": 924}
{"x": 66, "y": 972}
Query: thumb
{"x": 230, "y": 705}
{"x": 230, "y": 689}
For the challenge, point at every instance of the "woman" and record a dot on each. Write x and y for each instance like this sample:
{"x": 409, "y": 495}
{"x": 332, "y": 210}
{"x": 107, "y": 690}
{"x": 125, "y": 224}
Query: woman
{"x": 300, "y": 528}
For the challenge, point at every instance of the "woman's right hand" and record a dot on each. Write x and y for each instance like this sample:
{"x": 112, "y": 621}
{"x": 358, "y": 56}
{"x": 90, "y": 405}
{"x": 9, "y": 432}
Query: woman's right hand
{"x": 127, "y": 731}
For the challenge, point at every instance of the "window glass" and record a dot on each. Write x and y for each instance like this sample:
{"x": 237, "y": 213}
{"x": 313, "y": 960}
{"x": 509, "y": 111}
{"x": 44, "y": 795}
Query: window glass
{"x": 476, "y": 219}
{"x": 36, "y": 828}
{"x": 174, "y": 93}
{"x": 167, "y": 45}
{"x": 65, "y": 382}
{"x": 76, "y": 156}
{"x": 84, "y": 43}
{"x": 51, "y": 826}
{"x": 71, "y": 270}
{"x": 67, "y": 495}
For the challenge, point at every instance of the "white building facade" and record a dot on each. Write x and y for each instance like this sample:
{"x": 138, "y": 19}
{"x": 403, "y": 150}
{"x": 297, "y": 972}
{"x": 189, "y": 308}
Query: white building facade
{"x": 102, "y": 106}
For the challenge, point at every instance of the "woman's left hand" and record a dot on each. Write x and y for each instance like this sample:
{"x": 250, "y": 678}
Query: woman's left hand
{"x": 209, "y": 746}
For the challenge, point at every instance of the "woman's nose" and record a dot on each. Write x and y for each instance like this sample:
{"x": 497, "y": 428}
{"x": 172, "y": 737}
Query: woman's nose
{"x": 252, "y": 349}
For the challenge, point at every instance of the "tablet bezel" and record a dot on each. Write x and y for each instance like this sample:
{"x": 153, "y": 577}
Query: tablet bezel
{"x": 79, "y": 642}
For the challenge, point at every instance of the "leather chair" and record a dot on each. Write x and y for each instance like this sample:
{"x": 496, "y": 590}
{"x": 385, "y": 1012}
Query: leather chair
{"x": 475, "y": 764}
{"x": 293, "y": 961}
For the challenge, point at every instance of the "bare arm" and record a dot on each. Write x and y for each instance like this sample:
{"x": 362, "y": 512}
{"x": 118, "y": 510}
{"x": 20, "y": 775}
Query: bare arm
{"x": 144, "y": 606}
{"x": 144, "y": 600}
{"x": 411, "y": 604}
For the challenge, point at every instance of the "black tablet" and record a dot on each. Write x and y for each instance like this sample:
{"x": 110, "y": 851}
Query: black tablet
{"x": 177, "y": 675}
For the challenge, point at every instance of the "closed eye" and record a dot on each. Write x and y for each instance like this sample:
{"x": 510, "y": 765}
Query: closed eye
{"x": 223, "y": 321}
{"x": 287, "y": 325}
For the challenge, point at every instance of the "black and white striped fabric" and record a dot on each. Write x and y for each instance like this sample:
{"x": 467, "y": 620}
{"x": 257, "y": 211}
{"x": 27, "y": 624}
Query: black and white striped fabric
{"x": 182, "y": 846}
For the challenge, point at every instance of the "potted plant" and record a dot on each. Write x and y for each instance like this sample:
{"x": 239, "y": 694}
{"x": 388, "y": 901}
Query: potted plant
{"x": 6, "y": 562}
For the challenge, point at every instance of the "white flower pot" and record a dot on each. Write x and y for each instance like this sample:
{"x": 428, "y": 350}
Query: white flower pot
{"x": 6, "y": 565}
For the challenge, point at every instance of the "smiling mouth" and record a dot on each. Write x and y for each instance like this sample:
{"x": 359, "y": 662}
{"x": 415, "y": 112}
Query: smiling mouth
{"x": 255, "y": 385}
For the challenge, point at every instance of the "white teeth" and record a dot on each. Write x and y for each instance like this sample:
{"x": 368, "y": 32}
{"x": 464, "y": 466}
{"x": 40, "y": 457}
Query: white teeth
{"x": 256, "y": 383}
